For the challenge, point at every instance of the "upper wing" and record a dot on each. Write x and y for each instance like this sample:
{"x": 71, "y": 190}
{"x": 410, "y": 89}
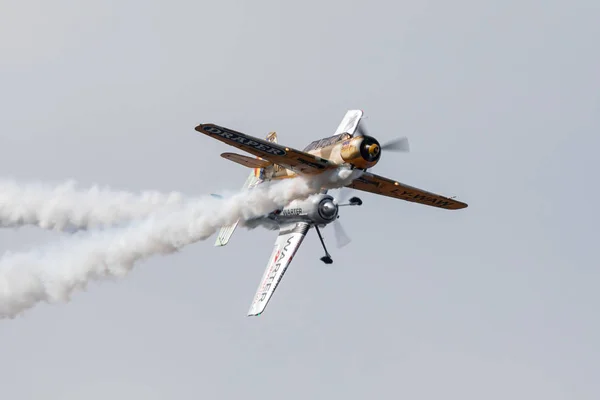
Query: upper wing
{"x": 287, "y": 157}
{"x": 386, "y": 187}
{"x": 287, "y": 243}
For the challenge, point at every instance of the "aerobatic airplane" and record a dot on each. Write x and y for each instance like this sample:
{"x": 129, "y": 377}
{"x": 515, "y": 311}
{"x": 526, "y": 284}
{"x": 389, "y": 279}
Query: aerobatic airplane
{"x": 349, "y": 147}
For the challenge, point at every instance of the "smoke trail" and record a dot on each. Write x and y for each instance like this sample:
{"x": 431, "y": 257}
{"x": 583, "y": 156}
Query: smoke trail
{"x": 64, "y": 207}
{"x": 52, "y": 274}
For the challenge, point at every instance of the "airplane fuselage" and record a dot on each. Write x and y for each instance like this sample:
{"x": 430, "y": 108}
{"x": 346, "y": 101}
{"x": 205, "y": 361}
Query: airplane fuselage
{"x": 344, "y": 149}
{"x": 318, "y": 209}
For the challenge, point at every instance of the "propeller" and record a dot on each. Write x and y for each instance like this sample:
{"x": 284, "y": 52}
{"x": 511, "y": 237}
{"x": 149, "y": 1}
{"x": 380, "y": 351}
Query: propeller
{"x": 361, "y": 130}
{"x": 395, "y": 145}
{"x": 399, "y": 145}
{"x": 343, "y": 195}
{"x": 341, "y": 238}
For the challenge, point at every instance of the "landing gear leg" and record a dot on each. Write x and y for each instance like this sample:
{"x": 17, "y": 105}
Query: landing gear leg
{"x": 327, "y": 258}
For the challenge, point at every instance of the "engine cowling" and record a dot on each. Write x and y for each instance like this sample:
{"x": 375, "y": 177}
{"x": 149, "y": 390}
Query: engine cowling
{"x": 362, "y": 151}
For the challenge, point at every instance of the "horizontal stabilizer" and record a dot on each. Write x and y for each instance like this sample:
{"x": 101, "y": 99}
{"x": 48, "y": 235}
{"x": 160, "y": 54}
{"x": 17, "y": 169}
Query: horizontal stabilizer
{"x": 246, "y": 161}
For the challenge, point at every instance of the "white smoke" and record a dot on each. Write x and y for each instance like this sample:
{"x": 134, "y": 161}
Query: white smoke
{"x": 52, "y": 274}
{"x": 65, "y": 207}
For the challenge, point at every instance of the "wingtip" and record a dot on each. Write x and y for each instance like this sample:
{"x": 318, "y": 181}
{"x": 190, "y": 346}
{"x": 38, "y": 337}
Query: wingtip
{"x": 199, "y": 127}
{"x": 252, "y": 313}
{"x": 255, "y": 310}
{"x": 458, "y": 206}
{"x": 462, "y": 205}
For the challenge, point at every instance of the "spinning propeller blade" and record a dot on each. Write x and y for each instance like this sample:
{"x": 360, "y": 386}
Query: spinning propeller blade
{"x": 343, "y": 195}
{"x": 398, "y": 144}
{"x": 341, "y": 238}
{"x": 361, "y": 130}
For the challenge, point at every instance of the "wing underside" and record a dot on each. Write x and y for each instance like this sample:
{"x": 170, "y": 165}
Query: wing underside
{"x": 287, "y": 243}
{"x": 386, "y": 187}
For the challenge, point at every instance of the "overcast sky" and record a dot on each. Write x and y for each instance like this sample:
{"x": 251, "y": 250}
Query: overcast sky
{"x": 501, "y": 103}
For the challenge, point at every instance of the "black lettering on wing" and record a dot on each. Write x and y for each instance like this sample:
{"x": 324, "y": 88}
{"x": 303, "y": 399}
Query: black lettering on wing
{"x": 214, "y": 130}
{"x": 243, "y": 139}
{"x": 277, "y": 152}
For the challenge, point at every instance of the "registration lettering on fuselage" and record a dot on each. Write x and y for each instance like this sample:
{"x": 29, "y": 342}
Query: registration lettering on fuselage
{"x": 292, "y": 211}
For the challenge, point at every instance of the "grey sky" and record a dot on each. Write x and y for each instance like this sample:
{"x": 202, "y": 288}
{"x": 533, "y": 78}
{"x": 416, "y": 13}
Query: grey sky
{"x": 500, "y": 101}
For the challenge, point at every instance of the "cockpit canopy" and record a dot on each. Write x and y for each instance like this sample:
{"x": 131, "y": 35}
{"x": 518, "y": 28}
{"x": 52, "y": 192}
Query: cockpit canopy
{"x": 328, "y": 141}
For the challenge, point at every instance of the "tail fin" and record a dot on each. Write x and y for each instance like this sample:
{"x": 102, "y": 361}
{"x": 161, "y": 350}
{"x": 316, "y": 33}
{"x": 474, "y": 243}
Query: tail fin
{"x": 255, "y": 177}
{"x": 272, "y": 137}
{"x": 349, "y": 122}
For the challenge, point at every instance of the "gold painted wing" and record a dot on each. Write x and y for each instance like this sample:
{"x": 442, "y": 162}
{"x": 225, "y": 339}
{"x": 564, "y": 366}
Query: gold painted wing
{"x": 386, "y": 187}
{"x": 292, "y": 159}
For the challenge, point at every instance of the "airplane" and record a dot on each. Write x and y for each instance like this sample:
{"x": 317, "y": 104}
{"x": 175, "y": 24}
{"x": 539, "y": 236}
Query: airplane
{"x": 350, "y": 147}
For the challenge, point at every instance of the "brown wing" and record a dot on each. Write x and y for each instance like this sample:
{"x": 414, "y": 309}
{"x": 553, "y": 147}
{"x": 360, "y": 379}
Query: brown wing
{"x": 386, "y": 187}
{"x": 287, "y": 157}
{"x": 246, "y": 161}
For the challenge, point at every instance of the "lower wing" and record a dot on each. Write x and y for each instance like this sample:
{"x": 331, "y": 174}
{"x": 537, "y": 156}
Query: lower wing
{"x": 289, "y": 240}
{"x": 386, "y": 187}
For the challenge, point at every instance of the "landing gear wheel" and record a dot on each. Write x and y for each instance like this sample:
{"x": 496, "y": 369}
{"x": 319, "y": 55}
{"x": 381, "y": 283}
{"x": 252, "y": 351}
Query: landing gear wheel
{"x": 327, "y": 260}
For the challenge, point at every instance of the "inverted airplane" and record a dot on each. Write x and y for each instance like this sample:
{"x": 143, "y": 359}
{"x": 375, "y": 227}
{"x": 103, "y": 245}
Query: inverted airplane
{"x": 350, "y": 147}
